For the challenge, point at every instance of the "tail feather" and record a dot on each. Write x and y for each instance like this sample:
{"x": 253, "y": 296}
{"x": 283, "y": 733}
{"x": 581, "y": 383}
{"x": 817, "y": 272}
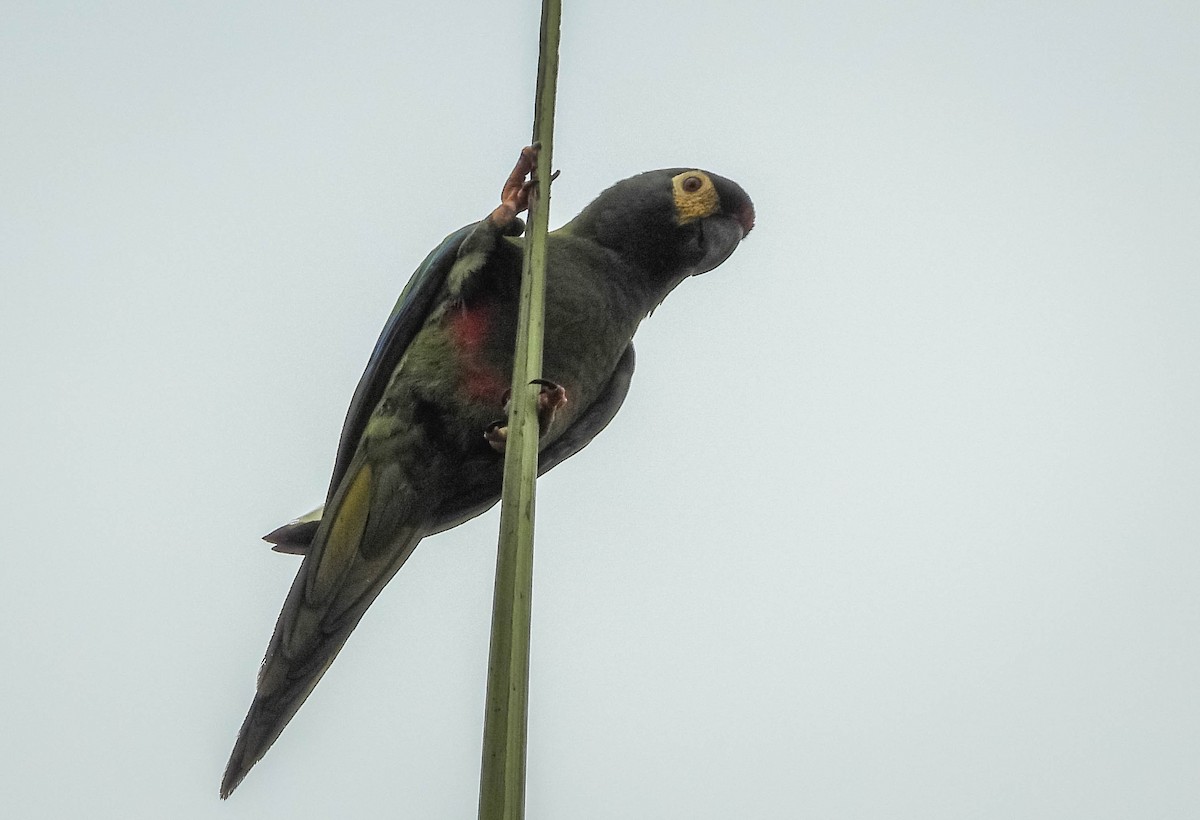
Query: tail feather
{"x": 334, "y": 587}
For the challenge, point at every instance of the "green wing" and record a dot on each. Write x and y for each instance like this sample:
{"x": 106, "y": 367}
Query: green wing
{"x": 295, "y": 536}
{"x": 407, "y": 317}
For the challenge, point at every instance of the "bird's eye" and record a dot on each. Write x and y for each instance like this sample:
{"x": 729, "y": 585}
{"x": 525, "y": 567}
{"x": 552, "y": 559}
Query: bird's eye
{"x": 692, "y": 184}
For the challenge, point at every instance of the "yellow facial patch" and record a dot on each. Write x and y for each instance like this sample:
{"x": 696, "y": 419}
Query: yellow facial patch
{"x": 695, "y": 196}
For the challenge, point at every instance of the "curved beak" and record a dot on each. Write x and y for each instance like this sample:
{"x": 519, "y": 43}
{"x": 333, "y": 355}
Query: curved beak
{"x": 721, "y": 235}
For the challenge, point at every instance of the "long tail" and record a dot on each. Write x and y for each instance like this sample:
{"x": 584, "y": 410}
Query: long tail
{"x": 354, "y": 553}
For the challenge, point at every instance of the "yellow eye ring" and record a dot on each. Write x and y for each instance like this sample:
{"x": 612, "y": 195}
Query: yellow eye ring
{"x": 695, "y": 196}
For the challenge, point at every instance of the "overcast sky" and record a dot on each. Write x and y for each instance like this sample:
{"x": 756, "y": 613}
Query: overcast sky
{"x": 900, "y": 519}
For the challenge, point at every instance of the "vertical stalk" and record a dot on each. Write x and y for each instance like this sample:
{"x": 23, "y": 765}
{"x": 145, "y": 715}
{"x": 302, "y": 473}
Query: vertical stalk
{"x": 502, "y": 778}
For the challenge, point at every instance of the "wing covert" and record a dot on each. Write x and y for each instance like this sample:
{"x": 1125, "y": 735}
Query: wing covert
{"x": 411, "y": 310}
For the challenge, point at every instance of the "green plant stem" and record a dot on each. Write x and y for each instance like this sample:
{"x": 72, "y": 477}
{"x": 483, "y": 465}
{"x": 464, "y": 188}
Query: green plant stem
{"x": 502, "y": 778}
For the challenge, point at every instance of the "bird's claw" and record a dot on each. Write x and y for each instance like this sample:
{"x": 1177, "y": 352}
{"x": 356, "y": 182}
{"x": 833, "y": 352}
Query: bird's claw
{"x": 550, "y": 398}
{"x": 514, "y": 196}
{"x": 497, "y": 434}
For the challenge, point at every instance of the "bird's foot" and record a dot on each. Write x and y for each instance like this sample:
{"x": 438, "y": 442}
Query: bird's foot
{"x": 550, "y": 398}
{"x": 497, "y": 434}
{"x": 514, "y": 196}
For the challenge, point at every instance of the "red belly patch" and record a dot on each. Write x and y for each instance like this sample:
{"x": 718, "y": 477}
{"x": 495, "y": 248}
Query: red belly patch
{"x": 469, "y": 329}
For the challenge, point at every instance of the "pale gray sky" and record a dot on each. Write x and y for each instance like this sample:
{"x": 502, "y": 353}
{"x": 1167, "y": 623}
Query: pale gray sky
{"x": 899, "y": 521}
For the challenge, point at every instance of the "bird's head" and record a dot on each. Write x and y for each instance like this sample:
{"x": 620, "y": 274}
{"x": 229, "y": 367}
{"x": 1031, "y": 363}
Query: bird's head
{"x": 673, "y": 223}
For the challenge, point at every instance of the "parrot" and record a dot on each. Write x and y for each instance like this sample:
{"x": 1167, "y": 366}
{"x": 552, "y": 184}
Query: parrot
{"x": 421, "y": 448}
